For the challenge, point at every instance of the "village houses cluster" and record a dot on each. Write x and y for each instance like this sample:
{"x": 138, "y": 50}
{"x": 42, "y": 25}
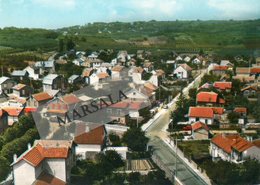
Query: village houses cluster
{"x": 53, "y": 159}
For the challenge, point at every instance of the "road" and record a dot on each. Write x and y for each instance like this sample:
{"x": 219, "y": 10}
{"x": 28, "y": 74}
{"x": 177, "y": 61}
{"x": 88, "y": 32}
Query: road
{"x": 165, "y": 155}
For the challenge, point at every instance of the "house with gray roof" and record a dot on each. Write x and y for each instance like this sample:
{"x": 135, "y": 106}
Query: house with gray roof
{"x": 6, "y": 85}
{"x": 53, "y": 82}
{"x": 19, "y": 74}
{"x": 74, "y": 79}
{"x": 45, "y": 66}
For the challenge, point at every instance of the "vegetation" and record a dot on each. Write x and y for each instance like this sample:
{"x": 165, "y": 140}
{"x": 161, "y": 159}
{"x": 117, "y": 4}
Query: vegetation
{"x": 230, "y": 173}
{"x": 14, "y": 141}
{"x": 135, "y": 139}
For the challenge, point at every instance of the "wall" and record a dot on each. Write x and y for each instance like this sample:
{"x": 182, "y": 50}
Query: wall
{"x": 24, "y": 173}
{"x": 56, "y": 167}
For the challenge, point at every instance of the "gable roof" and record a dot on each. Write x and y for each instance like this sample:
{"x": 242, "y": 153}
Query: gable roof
{"x": 70, "y": 99}
{"x": 159, "y": 72}
{"x": 102, "y": 75}
{"x": 73, "y": 77}
{"x": 186, "y": 67}
{"x": 19, "y": 73}
{"x": 201, "y": 112}
{"x": 3, "y": 79}
{"x": 220, "y": 68}
{"x": 242, "y": 70}
{"x": 87, "y": 72}
{"x": 222, "y": 85}
{"x": 199, "y": 125}
{"x": 49, "y": 79}
{"x": 117, "y": 68}
{"x": 42, "y": 96}
{"x": 207, "y": 97}
{"x": 138, "y": 70}
{"x": 240, "y": 110}
{"x": 94, "y": 136}
{"x": 46, "y": 149}
{"x": 229, "y": 142}
{"x": 13, "y": 111}
{"x": 255, "y": 70}
{"x": 249, "y": 87}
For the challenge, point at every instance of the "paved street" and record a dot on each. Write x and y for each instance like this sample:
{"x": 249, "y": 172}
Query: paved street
{"x": 166, "y": 155}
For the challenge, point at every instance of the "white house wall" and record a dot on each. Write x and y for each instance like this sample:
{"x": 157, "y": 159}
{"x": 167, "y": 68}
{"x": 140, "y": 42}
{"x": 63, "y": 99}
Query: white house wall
{"x": 24, "y": 173}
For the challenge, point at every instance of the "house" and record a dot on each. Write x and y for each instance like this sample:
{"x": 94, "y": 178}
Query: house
{"x": 13, "y": 114}
{"x": 233, "y": 148}
{"x": 20, "y": 74}
{"x": 187, "y": 59}
{"x": 178, "y": 58}
{"x": 148, "y": 66}
{"x": 118, "y": 111}
{"x": 39, "y": 99}
{"x": 223, "y": 86}
{"x": 200, "y": 131}
{"x": 3, "y": 97}
{"x": 32, "y": 73}
{"x": 149, "y": 89}
{"x": 196, "y": 61}
{"x": 47, "y": 162}
{"x": 137, "y": 74}
{"x": 6, "y": 85}
{"x": 74, "y": 79}
{"x": 3, "y": 120}
{"x": 204, "y": 114}
{"x": 92, "y": 80}
{"x": 96, "y": 63}
{"x": 219, "y": 70}
{"x": 87, "y": 72}
{"x": 160, "y": 73}
{"x": 102, "y": 76}
{"x": 183, "y": 71}
{"x": 123, "y": 57}
{"x": 243, "y": 71}
{"x": 209, "y": 98}
{"x": 45, "y": 66}
{"x": 116, "y": 72}
{"x": 22, "y": 90}
{"x": 78, "y": 62}
{"x": 93, "y": 56}
{"x": 242, "y": 111}
{"x": 53, "y": 82}
{"x": 135, "y": 95}
{"x": 226, "y": 63}
{"x": 244, "y": 78}
{"x": 90, "y": 140}
{"x": 249, "y": 91}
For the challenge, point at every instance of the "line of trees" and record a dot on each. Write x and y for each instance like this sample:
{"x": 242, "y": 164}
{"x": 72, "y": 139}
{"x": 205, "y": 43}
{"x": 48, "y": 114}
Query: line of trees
{"x": 14, "y": 141}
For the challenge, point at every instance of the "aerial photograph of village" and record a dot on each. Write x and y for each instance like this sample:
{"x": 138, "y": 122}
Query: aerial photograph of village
{"x": 129, "y": 92}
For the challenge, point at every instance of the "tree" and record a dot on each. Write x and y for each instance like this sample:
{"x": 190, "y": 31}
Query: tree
{"x": 135, "y": 139}
{"x": 233, "y": 117}
{"x": 115, "y": 139}
{"x": 61, "y": 45}
{"x": 4, "y": 168}
{"x": 70, "y": 44}
{"x": 114, "y": 159}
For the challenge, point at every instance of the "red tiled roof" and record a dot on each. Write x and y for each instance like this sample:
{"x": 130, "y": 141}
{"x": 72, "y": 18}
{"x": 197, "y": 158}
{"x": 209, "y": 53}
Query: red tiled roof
{"x": 135, "y": 105}
{"x": 87, "y": 73}
{"x": 47, "y": 179}
{"x": 199, "y": 125}
{"x": 243, "y": 78}
{"x": 201, "y": 112}
{"x": 242, "y": 70}
{"x": 186, "y": 67}
{"x": 229, "y": 142}
{"x": 218, "y": 110}
{"x": 102, "y": 75}
{"x": 13, "y": 111}
{"x": 207, "y": 97}
{"x": 117, "y": 68}
{"x": 150, "y": 86}
{"x": 255, "y": 70}
{"x": 94, "y": 136}
{"x": 38, "y": 153}
{"x": 120, "y": 105}
{"x": 41, "y": 96}
{"x": 220, "y": 68}
{"x": 71, "y": 99}
{"x": 240, "y": 110}
{"x": 257, "y": 143}
{"x": 160, "y": 72}
{"x": 223, "y": 85}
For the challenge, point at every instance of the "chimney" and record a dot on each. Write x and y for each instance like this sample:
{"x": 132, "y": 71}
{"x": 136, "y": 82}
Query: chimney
{"x": 14, "y": 157}
{"x": 87, "y": 129}
{"x": 29, "y": 146}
